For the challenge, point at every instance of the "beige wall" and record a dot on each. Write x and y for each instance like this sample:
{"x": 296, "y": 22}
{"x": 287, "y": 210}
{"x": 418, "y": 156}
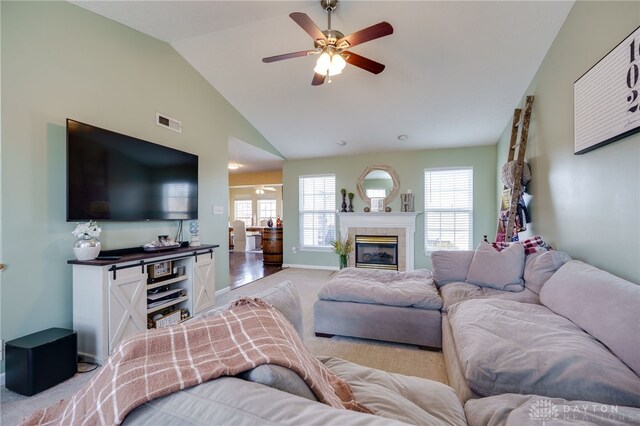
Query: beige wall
{"x": 586, "y": 205}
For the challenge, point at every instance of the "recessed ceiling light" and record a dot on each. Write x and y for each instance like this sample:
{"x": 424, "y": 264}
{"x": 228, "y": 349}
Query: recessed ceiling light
{"x": 403, "y": 137}
{"x": 234, "y": 166}
{"x": 341, "y": 143}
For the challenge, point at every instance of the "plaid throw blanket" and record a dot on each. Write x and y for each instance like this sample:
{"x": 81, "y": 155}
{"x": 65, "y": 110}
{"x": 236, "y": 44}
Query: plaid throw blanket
{"x": 160, "y": 362}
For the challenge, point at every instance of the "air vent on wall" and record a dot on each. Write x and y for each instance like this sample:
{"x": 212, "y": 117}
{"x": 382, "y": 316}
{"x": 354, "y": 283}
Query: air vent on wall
{"x": 168, "y": 122}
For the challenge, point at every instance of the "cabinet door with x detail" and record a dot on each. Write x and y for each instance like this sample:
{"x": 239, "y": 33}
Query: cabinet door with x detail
{"x": 127, "y": 305}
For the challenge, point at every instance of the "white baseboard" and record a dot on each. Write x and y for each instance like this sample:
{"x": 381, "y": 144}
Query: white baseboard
{"x": 328, "y": 268}
{"x": 223, "y": 291}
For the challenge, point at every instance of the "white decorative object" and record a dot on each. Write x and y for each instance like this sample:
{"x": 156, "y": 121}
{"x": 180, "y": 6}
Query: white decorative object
{"x": 194, "y": 229}
{"x": 87, "y": 246}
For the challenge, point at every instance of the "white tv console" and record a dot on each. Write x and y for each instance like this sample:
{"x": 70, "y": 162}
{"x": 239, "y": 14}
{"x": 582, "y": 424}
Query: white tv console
{"x": 110, "y": 296}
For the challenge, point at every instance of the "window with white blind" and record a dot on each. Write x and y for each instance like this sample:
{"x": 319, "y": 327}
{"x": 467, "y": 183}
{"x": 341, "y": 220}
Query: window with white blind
{"x": 448, "y": 209}
{"x": 266, "y": 210}
{"x": 317, "y": 204}
{"x": 243, "y": 211}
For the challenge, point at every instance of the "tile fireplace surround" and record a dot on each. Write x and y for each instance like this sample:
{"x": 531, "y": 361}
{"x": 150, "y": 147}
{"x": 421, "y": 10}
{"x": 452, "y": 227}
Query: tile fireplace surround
{"x": 403, "y": 225}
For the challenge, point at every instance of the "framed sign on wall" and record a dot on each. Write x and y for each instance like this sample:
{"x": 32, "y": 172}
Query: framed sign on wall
{"x": 606, "y": 99}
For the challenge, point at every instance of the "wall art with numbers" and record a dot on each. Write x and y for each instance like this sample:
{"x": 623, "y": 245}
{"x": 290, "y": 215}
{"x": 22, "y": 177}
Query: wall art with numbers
{"x": 606, "y": 99}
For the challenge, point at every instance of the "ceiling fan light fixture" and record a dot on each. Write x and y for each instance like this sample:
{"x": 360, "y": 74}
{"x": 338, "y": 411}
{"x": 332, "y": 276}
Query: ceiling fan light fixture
{"x": 233, "y": 166}
{"x": 337, "y": 64}
{"x": 323, "y": 63}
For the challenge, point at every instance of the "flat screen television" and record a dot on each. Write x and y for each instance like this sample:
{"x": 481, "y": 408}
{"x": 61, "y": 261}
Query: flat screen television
{"x": 113, "y": 177}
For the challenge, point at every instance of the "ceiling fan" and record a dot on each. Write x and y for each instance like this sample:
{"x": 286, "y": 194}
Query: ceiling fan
{"x": 332, "y": 46}
{"x": 260, "y": 189}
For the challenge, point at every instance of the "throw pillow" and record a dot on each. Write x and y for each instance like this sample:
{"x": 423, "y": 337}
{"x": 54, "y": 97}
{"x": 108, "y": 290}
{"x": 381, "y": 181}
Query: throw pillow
{"x": 281, "y": 378}
{"x": 500, "y": 270}
{"x": 539, "y": 267}
{"x": 450, "y": 266}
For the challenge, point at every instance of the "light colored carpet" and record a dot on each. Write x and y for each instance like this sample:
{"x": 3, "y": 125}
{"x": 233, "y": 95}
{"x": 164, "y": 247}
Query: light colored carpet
{"x": 397, "y": 358}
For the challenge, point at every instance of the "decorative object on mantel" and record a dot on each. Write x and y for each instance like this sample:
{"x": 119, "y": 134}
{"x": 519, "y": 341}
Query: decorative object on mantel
{"x": 377, "y": 204}
{"x": 343, "y": 246}
{"x": 350, "y": 202}
{"x": 367, "y": 209}
{"x": 87, "y": 246}
{"x": 344, "y": 200}
{"x": 387, "y": 209}
{"x": 606, "y": 101}
{"x": 406, "y": 202}
{"x": 194, "y": 229}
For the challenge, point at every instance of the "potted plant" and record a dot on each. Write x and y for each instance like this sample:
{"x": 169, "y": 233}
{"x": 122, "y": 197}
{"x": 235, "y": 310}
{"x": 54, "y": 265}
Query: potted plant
{"x": 343, "y": 246}
{"x": 87, "y": 245}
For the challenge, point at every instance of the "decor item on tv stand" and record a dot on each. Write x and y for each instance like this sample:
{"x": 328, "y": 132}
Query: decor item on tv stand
{"x": 194, "y": 229}
{"x": 87, "y": 246}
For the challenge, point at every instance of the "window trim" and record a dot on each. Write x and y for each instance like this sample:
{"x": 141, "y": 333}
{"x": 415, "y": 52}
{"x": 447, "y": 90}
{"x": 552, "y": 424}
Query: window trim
{"x": 470, "y": 210}
{"x": 301, "y": 212}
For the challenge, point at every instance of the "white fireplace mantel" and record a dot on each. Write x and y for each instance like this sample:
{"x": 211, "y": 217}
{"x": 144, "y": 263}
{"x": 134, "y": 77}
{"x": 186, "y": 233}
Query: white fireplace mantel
{"x": 384, "y": 220}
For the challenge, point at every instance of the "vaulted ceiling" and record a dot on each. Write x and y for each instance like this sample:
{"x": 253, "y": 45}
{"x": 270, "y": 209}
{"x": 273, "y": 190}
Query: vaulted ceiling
{"x": 455, "y": 70}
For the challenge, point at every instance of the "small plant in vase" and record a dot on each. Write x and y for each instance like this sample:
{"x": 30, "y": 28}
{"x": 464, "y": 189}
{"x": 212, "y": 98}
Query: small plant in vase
{"x": 350, "y": 202}
{"x": 87, "y": 246}
{"x": 343, "y": 247}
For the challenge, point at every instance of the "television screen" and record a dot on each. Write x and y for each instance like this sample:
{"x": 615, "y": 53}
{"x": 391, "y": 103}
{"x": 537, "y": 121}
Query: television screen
{"x": 116, "y": 177}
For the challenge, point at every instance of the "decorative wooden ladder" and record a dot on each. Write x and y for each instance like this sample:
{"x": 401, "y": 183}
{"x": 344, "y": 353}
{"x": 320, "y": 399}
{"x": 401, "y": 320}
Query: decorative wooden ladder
{"x": 516, "y": 191}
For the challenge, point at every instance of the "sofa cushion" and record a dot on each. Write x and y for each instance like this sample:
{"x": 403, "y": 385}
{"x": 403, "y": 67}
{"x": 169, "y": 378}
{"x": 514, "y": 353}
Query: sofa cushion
{"x": 511, "y": 347}
{"x": 539, "y": 267}
{"x": 453, "y": 293}
{"x": 412, "y": 400}
{"x": 500, "y": 270}
{"x": 450, "y": 266}
{"x": 380, "y": 287}
{"x": 281, "y": 378}
{"x": 605, "y": 306}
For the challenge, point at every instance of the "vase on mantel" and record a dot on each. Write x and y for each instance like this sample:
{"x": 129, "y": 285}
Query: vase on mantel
{"x": 344, "y": 261}
{"x": 86, "y": 248}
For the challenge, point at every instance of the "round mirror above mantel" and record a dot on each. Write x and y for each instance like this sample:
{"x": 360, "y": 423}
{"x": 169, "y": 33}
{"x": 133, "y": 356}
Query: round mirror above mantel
{"x": 378, "y": 181}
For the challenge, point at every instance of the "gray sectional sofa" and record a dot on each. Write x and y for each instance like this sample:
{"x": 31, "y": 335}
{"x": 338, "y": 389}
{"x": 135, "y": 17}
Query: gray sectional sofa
{"x": 517, "y": 329}
{"x": 570, "y": 334}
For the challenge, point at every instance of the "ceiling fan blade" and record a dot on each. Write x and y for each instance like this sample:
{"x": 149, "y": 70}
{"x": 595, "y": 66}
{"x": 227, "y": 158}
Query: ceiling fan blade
{"x": 308, "y": 25}
{"x": 373, "y": 32}
{"x": 364, "y": 63}
{"x": 290, "y": 55}
{"x": 318, "y": 79}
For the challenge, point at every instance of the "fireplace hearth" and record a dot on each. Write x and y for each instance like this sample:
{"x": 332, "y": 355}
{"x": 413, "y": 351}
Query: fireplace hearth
{"x": 376, "y": 252}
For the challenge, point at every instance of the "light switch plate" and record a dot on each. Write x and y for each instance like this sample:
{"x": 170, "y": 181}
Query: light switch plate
{"x": 218, "y": 210}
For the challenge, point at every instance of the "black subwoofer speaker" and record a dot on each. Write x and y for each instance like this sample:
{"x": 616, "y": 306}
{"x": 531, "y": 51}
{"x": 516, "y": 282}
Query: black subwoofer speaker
{"x": 40, "y": 360}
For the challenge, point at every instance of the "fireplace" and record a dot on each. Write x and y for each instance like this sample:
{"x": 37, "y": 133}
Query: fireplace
{"x": 376, "y": 252}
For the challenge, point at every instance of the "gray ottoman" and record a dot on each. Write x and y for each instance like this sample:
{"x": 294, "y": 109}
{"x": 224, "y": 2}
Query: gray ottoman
{"x": 401, "y": 307}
